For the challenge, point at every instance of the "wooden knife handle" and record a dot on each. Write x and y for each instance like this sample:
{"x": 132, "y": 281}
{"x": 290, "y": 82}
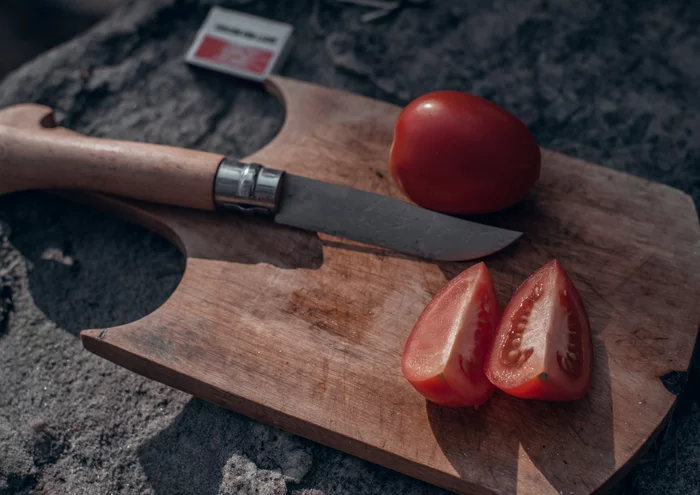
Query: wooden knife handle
{"x": 37, "y": 154}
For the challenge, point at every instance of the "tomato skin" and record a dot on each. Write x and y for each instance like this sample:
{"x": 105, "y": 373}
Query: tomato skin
{"x": 458, "y": 153}
{"x": 437, "y": 390}
{"x": 537, "y": 388}
{"x": 444, "y": 354}
{"x": 556, "y": 340}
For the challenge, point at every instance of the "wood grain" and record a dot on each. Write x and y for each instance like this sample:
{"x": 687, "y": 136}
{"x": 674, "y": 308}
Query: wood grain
{"x": 305, "y": 332}
{"x": 34, "y": 151}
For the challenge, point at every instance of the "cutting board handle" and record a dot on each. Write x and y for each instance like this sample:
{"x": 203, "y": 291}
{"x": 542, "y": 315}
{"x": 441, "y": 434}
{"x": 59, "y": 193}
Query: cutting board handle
{"x": 35, "y": 153}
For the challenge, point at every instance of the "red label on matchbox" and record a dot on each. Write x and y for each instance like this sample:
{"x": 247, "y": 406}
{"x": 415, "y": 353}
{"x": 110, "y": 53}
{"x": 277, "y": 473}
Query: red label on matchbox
{"x": 234, "y": 55}
{"x": 240, "y": 44}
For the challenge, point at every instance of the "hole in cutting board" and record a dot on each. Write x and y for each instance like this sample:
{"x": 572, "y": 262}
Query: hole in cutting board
{"x": 246, "y": 119}
{"x": 88, "y": 269}
{"x": 91, "y": 269}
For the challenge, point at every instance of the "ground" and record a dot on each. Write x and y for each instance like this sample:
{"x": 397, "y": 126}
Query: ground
{"x": 613, "y": 83}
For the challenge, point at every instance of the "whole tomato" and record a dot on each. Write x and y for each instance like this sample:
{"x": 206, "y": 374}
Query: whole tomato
{"x": 458, "y": 153}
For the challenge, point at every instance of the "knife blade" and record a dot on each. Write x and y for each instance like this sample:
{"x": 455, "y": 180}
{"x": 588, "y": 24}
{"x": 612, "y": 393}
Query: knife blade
{"x": 355, "y": 214}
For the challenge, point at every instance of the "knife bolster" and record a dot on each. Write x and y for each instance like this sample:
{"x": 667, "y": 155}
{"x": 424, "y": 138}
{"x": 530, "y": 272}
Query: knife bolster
{"x": 247, "y": 187}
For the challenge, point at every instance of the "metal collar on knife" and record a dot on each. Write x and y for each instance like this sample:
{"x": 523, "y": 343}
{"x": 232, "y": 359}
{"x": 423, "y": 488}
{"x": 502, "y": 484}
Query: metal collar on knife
{"x": 247, "y": 187}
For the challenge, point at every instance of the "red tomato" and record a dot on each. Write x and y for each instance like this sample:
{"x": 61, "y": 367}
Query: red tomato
{"x": 444, "y": 354}
{"x": 543, "y": 347}
{"x": 458, "y": 153}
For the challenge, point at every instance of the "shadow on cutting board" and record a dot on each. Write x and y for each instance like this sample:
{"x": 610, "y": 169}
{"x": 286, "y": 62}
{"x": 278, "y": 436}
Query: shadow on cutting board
{"x": 564, "y": 441}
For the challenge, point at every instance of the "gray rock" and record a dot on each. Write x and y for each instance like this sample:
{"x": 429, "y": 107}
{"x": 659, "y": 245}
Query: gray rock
{"x": 614, "y": 83}
{"x": 242, "y": 477}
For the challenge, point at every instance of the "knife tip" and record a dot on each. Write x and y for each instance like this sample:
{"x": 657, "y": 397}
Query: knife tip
{"x": 505, "y": 238}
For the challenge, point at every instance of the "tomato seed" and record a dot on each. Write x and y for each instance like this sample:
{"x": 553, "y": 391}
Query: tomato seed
{"x": 516, "y": 342}
{"x": 487, "y": 308}
{"x": 572, "y": 356}
{"x": 521, "y": 326}
{"x": 512, "y": 355}
{"x": 521, "y": 360}
{"x": 464, "y": 364}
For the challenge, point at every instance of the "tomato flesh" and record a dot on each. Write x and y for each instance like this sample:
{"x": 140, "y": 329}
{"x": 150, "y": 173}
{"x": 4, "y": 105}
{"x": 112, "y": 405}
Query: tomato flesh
{"x": 543, "y": 347}
{"x": 444, "y": 355}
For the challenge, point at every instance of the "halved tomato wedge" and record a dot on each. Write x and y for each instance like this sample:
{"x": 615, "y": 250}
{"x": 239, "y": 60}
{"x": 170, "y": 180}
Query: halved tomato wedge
{"x": 543, "y": 347}
{"x": 444, "y": 355}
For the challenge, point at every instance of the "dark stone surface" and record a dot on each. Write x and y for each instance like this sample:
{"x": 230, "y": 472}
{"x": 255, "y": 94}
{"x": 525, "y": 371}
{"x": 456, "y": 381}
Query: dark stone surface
{"x": 611, "y": 82}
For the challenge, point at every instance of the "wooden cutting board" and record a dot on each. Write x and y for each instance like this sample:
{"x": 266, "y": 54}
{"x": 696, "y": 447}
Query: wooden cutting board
{"x": 305, "y": 331}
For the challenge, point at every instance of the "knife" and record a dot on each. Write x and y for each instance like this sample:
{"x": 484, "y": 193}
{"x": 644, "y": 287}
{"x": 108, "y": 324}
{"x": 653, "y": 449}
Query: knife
{"x": 52, "y": 157}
